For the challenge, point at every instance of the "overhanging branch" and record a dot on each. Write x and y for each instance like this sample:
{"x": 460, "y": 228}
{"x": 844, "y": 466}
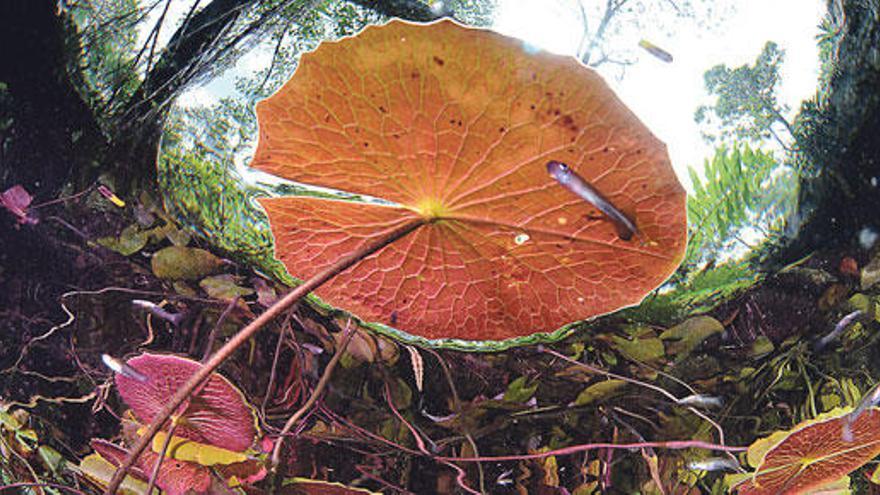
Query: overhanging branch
{"x": 411, "y": 10}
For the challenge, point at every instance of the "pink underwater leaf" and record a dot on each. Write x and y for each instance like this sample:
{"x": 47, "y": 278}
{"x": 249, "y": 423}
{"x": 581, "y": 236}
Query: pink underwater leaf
{"x": 218, "y": 414}
{"x": 175, "y": 477}
{"x": 16, "y": 199}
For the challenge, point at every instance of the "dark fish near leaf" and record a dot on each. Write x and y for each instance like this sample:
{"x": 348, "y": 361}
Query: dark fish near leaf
{"x": 656, "y": 51}
{"x": 570, "y": 180}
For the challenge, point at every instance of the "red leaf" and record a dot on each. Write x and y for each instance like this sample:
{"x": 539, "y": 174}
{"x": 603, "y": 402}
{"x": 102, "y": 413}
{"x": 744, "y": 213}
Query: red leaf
{"x": 175, "y": 477}
{"x": 815, "y": 454}
{"x": 218, "y": 414}
{"x": 455, "y": 126}
{"x": 16, "y": 199}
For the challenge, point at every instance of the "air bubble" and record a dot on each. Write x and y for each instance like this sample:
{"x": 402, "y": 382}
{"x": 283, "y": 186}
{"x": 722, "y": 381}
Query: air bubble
{"x": 521, "y": 239}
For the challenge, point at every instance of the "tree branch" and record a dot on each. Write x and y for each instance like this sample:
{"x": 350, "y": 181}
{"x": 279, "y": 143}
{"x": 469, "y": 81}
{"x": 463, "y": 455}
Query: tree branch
{"x": 611, "y": 8}
{"x": 187, "y": 46}
{"x": 411, "y": 10}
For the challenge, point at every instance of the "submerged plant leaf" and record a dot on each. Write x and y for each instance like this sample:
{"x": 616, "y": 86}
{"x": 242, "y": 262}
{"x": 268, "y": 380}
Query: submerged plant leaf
{"x": 131, "y": 240}
{"x": 454, "y": 126}
{"x": 682, "y": 339}
{"x": 218, "y": 414}
{"x": 175, "y": 477}
{"x": 599, "y": 391}
{"x": 184, "y": 263}
{"x": 643, "y": 350}
{"x": 100, "y": 471}
{"x": 520, "y": 390}
{"x": 17, "y": 201}
{"x": 224, "y": 287}
{"x": 812, "y": 455}
{"x": 185, "y": 449}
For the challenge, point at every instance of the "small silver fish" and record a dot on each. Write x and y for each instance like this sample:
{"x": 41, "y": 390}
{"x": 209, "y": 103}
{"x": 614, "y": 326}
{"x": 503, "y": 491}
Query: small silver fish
{"x": 702, "y": 400}
{"x": 656, "y": 51}
{"x": 154, "y": 309}
{"x": 842, "y": 325}
{"x": 870, "y": 399}
{"x": 715, "y": 464}
{"x": 570, "y": 180}
{"x": 121, "y": 367}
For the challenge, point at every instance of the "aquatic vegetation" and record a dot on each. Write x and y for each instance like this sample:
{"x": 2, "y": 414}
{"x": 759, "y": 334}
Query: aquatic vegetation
{"x": 811, "y": 456}
{"x": 461, "y": 156}
{"x": 211, "y": 435}
{"x": 655, "y": 399}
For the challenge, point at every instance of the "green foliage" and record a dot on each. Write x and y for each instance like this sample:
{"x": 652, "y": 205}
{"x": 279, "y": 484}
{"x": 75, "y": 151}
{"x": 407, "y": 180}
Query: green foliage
{"x": 743, "y": 189}
{"x": 202, "y": 190}
{"x": 742, "y": 194}
{"x": 746, "y": 107}
{"x": 108, "y": 59}
{"x": 24, "y": 457}
{"x": 695, "y": 293}
{"x": 473, "y": 12}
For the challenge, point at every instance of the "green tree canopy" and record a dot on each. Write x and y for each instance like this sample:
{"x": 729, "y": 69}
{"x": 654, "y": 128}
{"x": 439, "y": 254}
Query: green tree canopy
{"x": 746, "y": 106}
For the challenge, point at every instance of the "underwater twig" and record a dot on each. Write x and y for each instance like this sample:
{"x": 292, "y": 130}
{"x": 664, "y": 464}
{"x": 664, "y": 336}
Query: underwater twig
{"x": 366, "y": 433}
{"x": 456, "y": 403}
{"x": 246, "y": 333}
{"x": 24, "y": 350}
{"x": 63, "y": 199}
{"x": 669, "y": 445}
{"x": 284, "y": 329}
{"x": 158, "y": 311}
{"x": 420, "y": 443}
{"x": 155, "y": 474}
{"x": 209, "y": 346}
{"x": 319, "y": 388}
{"x": 68, "y": 226}
{"x": 364, "y": 473}
{"x": 648, "y": 454}
{"x": 640, "y": 383}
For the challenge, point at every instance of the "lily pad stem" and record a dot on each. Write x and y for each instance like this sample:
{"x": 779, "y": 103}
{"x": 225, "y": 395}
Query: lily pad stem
{"x": 245, "y": 334}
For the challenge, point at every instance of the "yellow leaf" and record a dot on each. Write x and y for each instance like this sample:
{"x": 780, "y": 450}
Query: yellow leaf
{"x": 100, "y": 471}
{"x": 184, "y": 449}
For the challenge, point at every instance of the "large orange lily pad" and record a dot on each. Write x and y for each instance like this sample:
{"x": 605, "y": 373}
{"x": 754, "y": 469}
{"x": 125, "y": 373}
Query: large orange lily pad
{"x": 812, "y": 456}
{"x": 455, "y": 126}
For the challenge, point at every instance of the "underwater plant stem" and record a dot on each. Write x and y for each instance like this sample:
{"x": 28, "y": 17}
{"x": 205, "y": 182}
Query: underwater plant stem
{"x": 670, "y": 445}
{"x": 456, "y": 404}
{"x": 246, "y": 333}
{"x": 155, "y": 474}
{"x": 319, "y": 388}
